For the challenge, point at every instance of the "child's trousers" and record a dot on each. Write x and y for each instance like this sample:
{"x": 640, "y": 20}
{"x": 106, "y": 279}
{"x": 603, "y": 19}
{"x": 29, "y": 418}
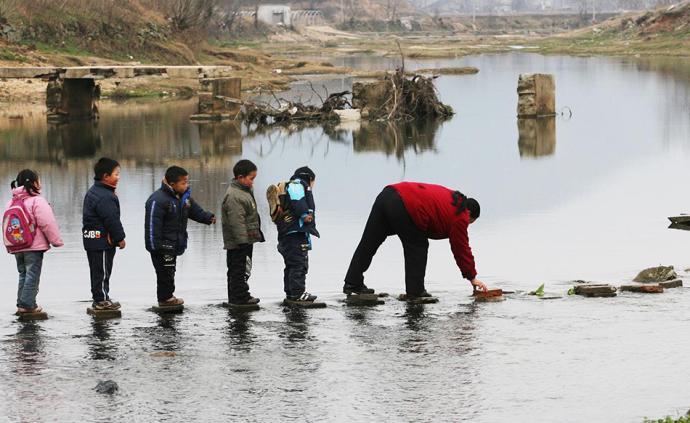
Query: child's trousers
{"x": 29, "y": 265}
{"x": 239, "y": 261}
{"x": 295, "y": 251}
{"x": 165, "y": 265}
{"x": 101, "y": 266}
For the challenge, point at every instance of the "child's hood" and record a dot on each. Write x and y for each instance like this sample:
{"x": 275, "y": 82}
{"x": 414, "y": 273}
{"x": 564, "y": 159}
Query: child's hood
{"x": 20, "y": 193}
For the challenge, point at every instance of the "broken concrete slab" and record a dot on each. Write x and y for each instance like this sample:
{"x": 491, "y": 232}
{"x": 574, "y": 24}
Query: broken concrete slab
{"x": 27, "y": 317}
{"x": 174, "y": 309}
{"x": 363, "y": 300}
{"x": 536, "y": 95}
{"x": 417, "y": 300}
{"x": 656, "y": 274}
{"x": 678, "y": 283}
{"x": 595, "y": 290}
{"x": 241, "y": 307}
{"x": 104, "y": 314}
{"x": 643, "y": 288}
{"x": 303, "y": 304}
{"x": 490, "y": 295}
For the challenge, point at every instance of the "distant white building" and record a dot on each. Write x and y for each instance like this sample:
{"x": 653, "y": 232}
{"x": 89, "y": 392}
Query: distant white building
{"x": 275, "y": 14}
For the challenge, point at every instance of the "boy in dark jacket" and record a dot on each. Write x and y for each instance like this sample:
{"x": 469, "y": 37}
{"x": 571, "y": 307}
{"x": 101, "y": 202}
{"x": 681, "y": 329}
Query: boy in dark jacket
{"x": 241, "y": 230}
{"x": 296, "y": 225}
{"x": 102, "y": 230}
{"x": 165, "y": 235}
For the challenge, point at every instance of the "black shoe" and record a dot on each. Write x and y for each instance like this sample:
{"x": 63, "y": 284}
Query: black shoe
{"x": 305, "y": 297}
{"x": 248, "y": 301}
{"x": 424, "y": 294}
{"x": 356, "y": 289}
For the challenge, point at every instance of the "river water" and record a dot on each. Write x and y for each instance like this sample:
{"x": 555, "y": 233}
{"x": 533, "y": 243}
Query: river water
{"x": 582, "y": 197}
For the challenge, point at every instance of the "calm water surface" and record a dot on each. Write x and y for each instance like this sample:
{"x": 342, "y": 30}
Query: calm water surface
{"x": 579, "y": 198}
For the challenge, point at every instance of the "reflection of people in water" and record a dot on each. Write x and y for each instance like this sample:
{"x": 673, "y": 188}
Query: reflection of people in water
{"x": 100, "y": 347}
{"x": 416, "y": 212}
{"x": 30, "y": 350}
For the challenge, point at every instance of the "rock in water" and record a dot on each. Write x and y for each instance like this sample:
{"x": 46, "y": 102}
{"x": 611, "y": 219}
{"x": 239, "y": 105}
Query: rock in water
{"x": 656, "y": 274}
{"x": 107, "y": 387}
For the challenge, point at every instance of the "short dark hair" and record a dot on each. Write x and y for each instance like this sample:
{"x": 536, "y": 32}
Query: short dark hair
{"x": 26, "y": 178}
{"x": 304, "y": 173}
{"x": 243, "y": 168}
{"x": 473, "y": 207}
{"x": 174, "y": 174}
{"x": 104, "y": 166}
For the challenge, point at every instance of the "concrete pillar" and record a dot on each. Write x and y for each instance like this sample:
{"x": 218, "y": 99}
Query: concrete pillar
{"x": 72, "y": 99}
{"x": 221, "y": 99}
{"x": 536, "y": 95}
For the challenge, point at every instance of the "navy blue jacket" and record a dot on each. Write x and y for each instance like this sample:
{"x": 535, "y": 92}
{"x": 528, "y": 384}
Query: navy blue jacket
{"x": 166, "y": 220}
{"x": 301, "y": 203}
{"x": 101, "y": 226}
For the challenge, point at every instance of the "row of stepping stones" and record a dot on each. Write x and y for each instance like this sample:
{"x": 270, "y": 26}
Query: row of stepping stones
{"x": 649, "y": 281}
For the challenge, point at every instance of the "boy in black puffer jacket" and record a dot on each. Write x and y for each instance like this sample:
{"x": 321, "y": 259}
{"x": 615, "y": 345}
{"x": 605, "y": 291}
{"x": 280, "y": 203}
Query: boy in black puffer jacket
{"x": 296, "y": 225}
{"x": 102, "y": 230}
{"x": 167, "y": 211}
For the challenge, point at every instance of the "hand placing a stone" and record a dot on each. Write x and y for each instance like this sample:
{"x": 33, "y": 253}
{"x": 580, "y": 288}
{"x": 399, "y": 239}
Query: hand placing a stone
{"x": 477, "y": 284}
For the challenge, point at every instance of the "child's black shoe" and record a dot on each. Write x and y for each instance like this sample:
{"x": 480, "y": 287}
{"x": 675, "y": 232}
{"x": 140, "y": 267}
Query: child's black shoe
{"x": 248, "y": 301}
{"x": 305, "y": 297}
{"x": 356, "y": 289}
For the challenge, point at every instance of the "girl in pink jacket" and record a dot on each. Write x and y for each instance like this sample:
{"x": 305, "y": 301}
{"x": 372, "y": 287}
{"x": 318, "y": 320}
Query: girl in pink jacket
{"x": 45, "y": 233}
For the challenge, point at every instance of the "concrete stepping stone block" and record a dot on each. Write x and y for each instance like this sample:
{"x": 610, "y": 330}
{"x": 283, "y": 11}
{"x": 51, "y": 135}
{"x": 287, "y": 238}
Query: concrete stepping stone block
{"x": 167, "y": 309}
{"x": 363, "y": 300}
{"x": 303, "y": 304}
{"x": 678, "y": 283}
{"x": 417, "y": 300}
{"x": 28, "y": 317}
{"x": 592, "y": 290}
{"x": 241, "y": 307}
{"x": 489, "y": 296}
{"x": 104, "y": 314}
{"x": 643, "y": 289}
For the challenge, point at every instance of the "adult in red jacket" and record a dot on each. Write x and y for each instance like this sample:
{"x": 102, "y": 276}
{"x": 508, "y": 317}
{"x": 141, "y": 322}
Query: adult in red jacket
{"x": 416, "y": 212}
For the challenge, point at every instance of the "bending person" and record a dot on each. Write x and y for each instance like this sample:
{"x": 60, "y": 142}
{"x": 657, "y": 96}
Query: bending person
{"x": 416, "y": 212}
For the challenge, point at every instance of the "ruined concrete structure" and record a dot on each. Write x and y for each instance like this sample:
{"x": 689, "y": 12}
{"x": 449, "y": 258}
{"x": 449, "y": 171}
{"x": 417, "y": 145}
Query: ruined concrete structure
{"x": 536, "y": 95}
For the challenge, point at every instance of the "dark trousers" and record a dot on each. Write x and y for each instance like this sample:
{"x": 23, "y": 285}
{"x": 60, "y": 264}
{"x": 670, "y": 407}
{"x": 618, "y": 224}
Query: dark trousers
{"x": 389, "y": 217}
{"x": 101, "y": 267}
{"x": 165, "y": 265}
{"x": 239, "y": 261}
{"x": 295, "y": 251}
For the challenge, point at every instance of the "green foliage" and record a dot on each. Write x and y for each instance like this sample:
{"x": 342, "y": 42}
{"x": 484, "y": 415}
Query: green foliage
{"x": 669, "y": 419}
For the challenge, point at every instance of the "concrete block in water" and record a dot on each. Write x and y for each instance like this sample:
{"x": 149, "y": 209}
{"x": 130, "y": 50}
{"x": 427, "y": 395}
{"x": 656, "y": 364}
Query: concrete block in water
{"x": 678, "y": 283}
{"x": 644, "y": 289}
{"x": 27, "y": 317}
{"x": 536, "y": 95}
{"x": 656, "y": 274}
{"x": 168, "y": 309}
{"x": 303, "y": 304}
{"x": 363, "y": 300}
{"x": 104, "y": 314}
{"x": 417, "y": 300}
{"x": 491, "y": 295}
{"x": 241, "y": 307}
{"x": 595, "y": 290}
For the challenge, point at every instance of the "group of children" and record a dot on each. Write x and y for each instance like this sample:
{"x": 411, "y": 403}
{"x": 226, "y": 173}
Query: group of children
{"x": 30, "y": 229}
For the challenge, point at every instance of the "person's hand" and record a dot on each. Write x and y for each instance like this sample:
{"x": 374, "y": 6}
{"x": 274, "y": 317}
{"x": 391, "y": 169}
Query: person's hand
{"x": 309, "y": 218}
{"x": 122, "y": 244}
{"x": 213, "y": 220}
{"x": 477, "y": 285}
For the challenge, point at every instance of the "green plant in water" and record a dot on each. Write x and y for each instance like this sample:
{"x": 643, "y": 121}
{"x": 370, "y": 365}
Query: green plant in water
{"x": 540, "y": 291}
{"x": 571, "y": 291}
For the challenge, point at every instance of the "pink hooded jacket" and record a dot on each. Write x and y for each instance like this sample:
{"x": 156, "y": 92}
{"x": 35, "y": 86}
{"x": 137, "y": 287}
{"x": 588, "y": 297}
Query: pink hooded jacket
{"x": 47, "y": 231}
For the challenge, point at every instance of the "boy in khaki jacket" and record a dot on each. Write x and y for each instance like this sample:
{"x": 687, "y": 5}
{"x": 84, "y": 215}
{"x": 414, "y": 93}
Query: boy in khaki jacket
{"x": 241, "y": 229}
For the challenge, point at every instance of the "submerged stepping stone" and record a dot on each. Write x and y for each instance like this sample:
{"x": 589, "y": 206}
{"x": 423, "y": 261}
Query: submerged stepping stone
{"x": 167, "y": 309}
{"x": 593, "y": 290}
{"x": 644, "y": 289}
{"x": 364, "y": 300}
{"x": 28, "y": 317}
{"x": 489, "y": 296}
{"x": 678, "y": 283}
{"x": 241, "y": 307}
{"x": 417, "y": 300}
{"x": 104, "y": 314}
{"x": 303, "y": 304}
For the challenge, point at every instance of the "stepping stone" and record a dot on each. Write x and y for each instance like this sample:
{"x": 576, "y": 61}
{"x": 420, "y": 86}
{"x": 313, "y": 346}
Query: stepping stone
{"x": 104, "y": 314}
{"x": 303, "y": 304}
{"x": 383, "y": 295}
{"x": 593, "y": 290}
{"x": 28, "y": 317}
{"x": 364, "y": 300}
{"x": 241, "y": 307}
{"x": 644, "y": 289}
{"x": 489, "y": 296}
{"x": 417, "y": 300}
{"x": 167, "y": 309}
{"x": 656, "y": 274}
{"x": 678, "y": 283}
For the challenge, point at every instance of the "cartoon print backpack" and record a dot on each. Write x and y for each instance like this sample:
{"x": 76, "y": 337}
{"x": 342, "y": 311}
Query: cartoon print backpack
{"x": 18, "y": 227}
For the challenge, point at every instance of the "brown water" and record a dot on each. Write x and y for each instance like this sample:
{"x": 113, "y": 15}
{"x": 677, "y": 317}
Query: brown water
{"x": 586, "y": 202}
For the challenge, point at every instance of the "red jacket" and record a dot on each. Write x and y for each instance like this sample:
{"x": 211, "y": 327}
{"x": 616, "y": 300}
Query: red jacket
{"x": 431, "y": 209}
